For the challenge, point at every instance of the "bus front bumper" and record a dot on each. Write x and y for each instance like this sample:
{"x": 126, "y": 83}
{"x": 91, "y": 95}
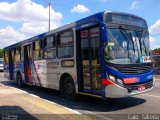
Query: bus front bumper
{"x": 116, "y": 91}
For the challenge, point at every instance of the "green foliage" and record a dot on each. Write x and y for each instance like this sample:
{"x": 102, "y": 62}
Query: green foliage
{"x": 1, "y": 53}
{"x": 157, "y": 50}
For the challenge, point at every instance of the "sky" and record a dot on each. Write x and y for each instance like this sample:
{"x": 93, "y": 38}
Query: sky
{"x": 22, "y": 19}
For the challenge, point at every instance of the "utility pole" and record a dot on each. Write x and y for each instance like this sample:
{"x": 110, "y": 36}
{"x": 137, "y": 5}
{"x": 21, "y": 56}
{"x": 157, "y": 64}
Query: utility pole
{"x": 49, "y": 2}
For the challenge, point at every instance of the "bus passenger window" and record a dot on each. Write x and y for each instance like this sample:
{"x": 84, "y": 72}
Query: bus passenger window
{"x": 29, "y": 51}
{"x": 50, "y": 47}
{"x": 6, "y": 57}
{"x": 84, "y": 44}
{"x": 37, "y": 45}
{"x": 95, "y": 43}
{"x": 50, "y": 53}
{"x": 58, "y": 39}
{"x": 85, "y": 48}
{"x": 66, "y": 47}
{"x": 18, "y": 54}
{"x": 22, "y": 53}
{"x": 49, "y": 42}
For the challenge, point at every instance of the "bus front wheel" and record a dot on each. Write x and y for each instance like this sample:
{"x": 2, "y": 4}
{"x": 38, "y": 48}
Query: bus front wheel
{"x": 68, "y": 89}
{"x": 19, "y": 80}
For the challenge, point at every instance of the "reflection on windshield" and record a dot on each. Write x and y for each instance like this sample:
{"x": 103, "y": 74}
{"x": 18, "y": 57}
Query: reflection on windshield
{"x": 127, "y": 46}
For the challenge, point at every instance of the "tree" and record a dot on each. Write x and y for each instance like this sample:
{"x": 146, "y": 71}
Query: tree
{"x": 156, "y": 51}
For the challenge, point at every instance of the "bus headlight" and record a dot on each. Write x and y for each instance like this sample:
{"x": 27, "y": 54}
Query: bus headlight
{"x": 116, "y": 80}
{"x": 112, "y": 78}
{"x": 119, "y": 81}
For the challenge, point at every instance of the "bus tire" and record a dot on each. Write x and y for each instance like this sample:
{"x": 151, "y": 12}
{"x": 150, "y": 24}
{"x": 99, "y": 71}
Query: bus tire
{"x": 19, "y": 80}
{"x": 68, "y": 89}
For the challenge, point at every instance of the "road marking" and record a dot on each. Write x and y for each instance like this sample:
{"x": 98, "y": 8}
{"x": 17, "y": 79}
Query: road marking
{"x": 13, "y": 87}
{"x": 58, "y": 110}
{"x": 104, "y": 117}
{"x": 18, "y": 89}
{"x": 34, "y": 95}
{"x": 1, "y": 84}
{"x": 74, "y": 111}
{"x": 6, "y": 91}
{"x": 21, "y": 90}
{"x": 50, "y": 101}
{"x": 150, "y": 95}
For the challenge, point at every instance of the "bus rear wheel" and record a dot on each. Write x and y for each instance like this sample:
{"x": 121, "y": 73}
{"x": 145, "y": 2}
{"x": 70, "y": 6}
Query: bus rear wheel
{"x": 19, "y": 80}
{"x": 68, "y": 89}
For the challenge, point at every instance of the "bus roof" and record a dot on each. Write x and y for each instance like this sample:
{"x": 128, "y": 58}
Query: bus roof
{"x": 25, "y": 41}
{"x": 91, "y": 20}
{"x": 71, "y": 25}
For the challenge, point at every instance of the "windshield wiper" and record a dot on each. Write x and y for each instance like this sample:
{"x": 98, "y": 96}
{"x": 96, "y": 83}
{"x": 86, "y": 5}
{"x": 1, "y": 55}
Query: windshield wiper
{"x": 139, "y": 39}
{"x": 143, "y": 31}
{"x": 123, "y": 32}
{"x": 134, "y": 44}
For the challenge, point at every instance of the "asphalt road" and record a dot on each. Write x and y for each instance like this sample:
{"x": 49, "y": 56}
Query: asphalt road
{"x": 40, "y": 103}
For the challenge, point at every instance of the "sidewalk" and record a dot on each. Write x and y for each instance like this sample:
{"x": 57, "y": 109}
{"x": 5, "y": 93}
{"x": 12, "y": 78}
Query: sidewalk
{"x": 24, "y": 106}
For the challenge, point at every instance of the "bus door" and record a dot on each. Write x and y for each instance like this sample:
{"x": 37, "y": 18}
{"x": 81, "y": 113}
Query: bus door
{"x": 27, "y": 63}
{"x": 88, "y": 50}
{"x": 11, "y": 65}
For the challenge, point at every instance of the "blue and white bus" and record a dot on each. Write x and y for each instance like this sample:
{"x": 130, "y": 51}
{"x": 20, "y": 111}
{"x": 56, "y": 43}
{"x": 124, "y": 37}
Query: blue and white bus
{"x": 105, "y": 55}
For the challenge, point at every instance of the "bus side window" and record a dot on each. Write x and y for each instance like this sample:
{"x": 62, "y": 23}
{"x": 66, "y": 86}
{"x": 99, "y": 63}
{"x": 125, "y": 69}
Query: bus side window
{"x": 58, "y": 39}
{"x": 50, "y": 47}
{"x": 49, "y": 42}
{"x": 95, "y": 44}
{"x": 18, "y": 54}
{"x": 85, "y": 44}
{"x": 66, "y": 44}
{"x": 37, "y": 50}
{"x": 22, "y": 53}
{"x": 29, "y": 49}
{"x": 6, "y": 57}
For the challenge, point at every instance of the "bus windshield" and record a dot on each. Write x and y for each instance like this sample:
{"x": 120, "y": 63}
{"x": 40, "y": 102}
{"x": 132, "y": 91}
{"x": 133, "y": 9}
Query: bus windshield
{"x": 127, "y": 46}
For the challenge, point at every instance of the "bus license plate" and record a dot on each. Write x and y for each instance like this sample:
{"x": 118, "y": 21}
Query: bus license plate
{"x": 140, "y": 88}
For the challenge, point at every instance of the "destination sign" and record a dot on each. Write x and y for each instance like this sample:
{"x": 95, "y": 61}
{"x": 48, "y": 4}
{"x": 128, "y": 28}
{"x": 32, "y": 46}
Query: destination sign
{"x": 125, "y": 20}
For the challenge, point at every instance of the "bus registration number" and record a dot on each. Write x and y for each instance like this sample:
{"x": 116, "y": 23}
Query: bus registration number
{"x": 140, "y": 88}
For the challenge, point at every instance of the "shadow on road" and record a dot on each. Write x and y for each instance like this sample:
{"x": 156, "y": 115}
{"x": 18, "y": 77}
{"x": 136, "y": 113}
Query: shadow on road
{"x": 14, "y": 113}
{"x": 18, "y": 113}
{"x": 83, "y": 102}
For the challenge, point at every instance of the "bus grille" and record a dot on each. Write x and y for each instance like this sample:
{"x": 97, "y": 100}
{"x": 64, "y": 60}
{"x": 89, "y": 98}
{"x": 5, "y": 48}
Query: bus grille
{"x": 136, "y": 69}
{"x": 134, "y": 87}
